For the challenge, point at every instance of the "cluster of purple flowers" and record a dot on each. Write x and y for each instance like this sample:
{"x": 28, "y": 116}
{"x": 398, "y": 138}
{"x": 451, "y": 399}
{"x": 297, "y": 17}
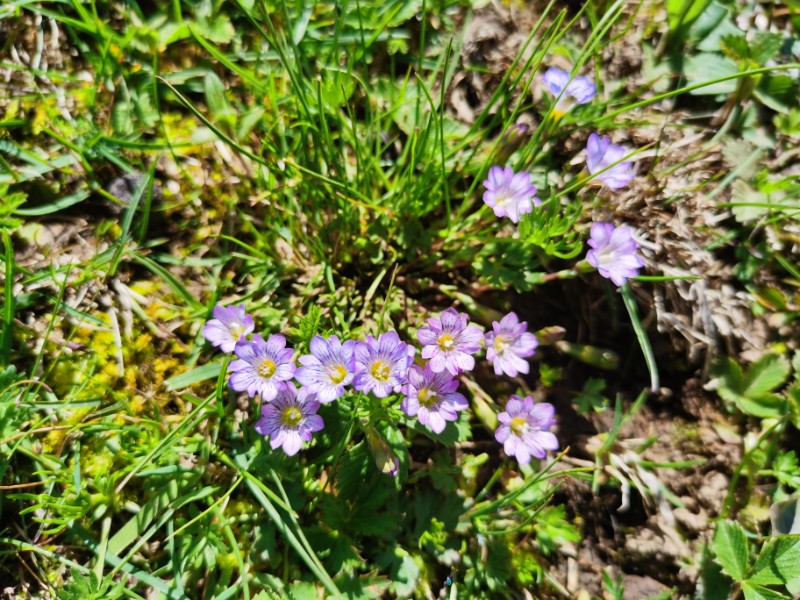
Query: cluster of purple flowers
{"x": 613, "y": 250}
{"x": 381, "y": 366}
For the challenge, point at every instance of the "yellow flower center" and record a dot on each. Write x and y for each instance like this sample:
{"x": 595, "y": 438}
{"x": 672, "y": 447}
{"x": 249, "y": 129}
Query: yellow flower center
{"x": 237, "y": 330}
{"x": 446, "y": 342}
{"x": 337, "y": 374}
{"x": 291, "y": 416}
{"x": 267, "y": 368}
{"x": 427, "y": 397}
{"x": 518, "y": 425}
{"x": 500, "y": 344}
{"x": 503, "y": 201}
{"x": 380, "y": 371}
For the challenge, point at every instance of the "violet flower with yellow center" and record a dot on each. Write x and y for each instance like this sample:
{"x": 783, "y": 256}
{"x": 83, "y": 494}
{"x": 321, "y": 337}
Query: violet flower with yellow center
{"x": 330, "y": 366}
{"x": 524, "y": 429}
{"x": 290, "y": 419}
{"x": 568, "y": 92}
{"x": 263, "y": 367}
{"x": 448, "y": 342}
{"x": 381, "y": 364}
{"x": 228, "y": 326}
{"x": 509, "y": 344}
{"x": 432, "y": 398}
{"x": 509, "y": 194}
{"x": 614, "y": 252}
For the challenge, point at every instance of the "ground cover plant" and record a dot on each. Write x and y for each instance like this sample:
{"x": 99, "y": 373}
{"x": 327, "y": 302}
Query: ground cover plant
{"x": 399, "y": 299}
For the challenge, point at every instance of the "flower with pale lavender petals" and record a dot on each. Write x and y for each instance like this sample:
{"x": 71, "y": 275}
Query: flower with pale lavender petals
{"x": 509, "y": 344}
{"x": 432, "y": 398}
{"x": 568, "y": 92}
{"x": 228, "y": 326}
{"x": 448, "y": 342}
{"x": 381, "y": 364}
{"x": 290, "y": 419}
{"x": 330, "y": 366}
{"x": 263, "y": 367}
{"x": 601, "y": 154}
{"x": 524, "y": 429}
{"x": 509, "y": 194}
{"x": 614, "y": 252}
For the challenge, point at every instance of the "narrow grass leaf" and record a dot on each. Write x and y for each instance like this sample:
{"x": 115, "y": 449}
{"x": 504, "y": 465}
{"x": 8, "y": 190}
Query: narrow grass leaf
{"x": 203, "y": 373}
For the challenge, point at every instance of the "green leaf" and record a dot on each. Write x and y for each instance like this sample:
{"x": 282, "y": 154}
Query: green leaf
{"x": 758, "y": 592}
{"x": 764, "y": 46}
{"x": 778, "y": 92}
{"x": 710, "y": 19}
{"x": 731, "y": 548}
{"x": 402, "y": 569}
{"x": 707, "y": 66}
{"x": 793, "y": 396}
{"x": 713, "y": 29}
{"x": 735, "y": 47}
{"x": 683, "y": 12}
{"x": 778, "y": 562}
{"x": 204, "y": 373}
{"x": 766, "y": 375}
{"x": 217, "y": 103}
{"x": 54, "y": 206}
{"x": 744, "y": 200}
{"x": 121, "y": 117}
{"x": 751, "y": 391}
{"x": 218, "y": 29}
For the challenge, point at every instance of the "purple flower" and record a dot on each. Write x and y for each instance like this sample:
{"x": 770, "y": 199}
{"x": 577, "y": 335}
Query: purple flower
{"x": 448, "y": 342}
{"x": 263, "y": 367}
{"x": 228, "y": 326}
{"x": 509, "y": 344}
{"x": 524, "y": 429}
{"x": 381, "y": 364}
{"x": 432, "y": 398}
{"x": 509, "y": 194}
{"x": 578, "y": 91}
{"x": 330, "y": 366}
{"x": 613, "y": 252}
{"x": 290, "y": 419}
{"x": 601, "y": 154}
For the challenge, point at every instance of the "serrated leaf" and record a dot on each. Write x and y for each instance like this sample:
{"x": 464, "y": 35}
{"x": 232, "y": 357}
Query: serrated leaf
{"x": 751, "y": 391}
{"x": 735, "y": 47}
{"x": 731, "y": 549}
{"x": 706, "y": 67}
{"x": 763, "y": 407}
{"x": 121, "y": 117}
{"x": 778, "y": 562}
{"x": 765, "y": 45}
{"x": 766, "y": 375}
{"x": 724, "y": 26}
